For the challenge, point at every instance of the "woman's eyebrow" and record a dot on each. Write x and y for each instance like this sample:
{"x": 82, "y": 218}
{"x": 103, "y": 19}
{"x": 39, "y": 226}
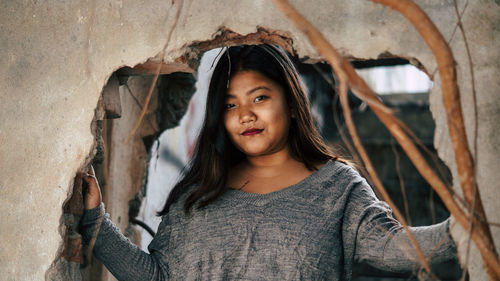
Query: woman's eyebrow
{"x": 251, "y": 91}
{"x": 258, "y": 88}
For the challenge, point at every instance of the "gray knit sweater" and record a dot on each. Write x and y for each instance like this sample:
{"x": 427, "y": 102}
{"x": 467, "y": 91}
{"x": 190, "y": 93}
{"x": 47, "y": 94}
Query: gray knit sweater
{"x": 313, "y": 230}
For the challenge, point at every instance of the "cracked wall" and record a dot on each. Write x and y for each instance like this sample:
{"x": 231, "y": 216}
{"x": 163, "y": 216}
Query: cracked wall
{"x": 56, "y": 58}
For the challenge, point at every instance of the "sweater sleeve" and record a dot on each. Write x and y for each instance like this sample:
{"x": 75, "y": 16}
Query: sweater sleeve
{"x": 121, "y": 257}
{"x": 382, "y": 242}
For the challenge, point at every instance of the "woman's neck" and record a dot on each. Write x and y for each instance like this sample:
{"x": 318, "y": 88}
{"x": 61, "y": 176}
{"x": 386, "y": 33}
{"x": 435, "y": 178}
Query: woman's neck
{"x": 266, "y": 166}
{"x": 272, "y": 160}
{"x": 267, "y": 173}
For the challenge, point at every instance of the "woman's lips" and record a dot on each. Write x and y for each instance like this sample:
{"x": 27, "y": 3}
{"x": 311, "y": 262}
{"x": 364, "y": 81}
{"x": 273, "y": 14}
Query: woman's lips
{"x": 251, "y": 132}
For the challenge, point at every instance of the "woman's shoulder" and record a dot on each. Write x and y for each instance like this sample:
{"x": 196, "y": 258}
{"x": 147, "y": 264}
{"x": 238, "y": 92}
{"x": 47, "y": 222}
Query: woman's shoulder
{"x": 335, "y": 179}
{"x": 329, "y": 189}
{"x": 337, "y": 169}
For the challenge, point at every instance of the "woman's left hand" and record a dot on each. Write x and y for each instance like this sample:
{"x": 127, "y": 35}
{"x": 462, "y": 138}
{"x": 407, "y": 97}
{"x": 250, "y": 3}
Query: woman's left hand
{"x": 92, "y": 194}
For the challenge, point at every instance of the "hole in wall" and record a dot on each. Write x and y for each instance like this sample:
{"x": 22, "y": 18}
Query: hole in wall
{"x": 409, "y": 96}
{"x": 162, "y": 157}
{"x": 176, "y": 145}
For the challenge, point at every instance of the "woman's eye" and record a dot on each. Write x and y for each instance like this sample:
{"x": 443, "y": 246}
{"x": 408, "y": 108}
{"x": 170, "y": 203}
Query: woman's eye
{"x": 260, "y": 98}
{"x": 229, "y": 105}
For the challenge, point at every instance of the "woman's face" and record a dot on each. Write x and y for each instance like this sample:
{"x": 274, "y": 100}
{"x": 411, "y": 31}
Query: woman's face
{"x": 257, "y": 116}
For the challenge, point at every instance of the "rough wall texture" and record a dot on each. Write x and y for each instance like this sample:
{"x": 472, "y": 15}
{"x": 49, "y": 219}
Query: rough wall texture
{"x": 57, "y": 56}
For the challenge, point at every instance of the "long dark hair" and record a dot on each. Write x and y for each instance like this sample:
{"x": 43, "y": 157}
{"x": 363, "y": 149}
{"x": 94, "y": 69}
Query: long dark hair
{"x": 214, "y": 154}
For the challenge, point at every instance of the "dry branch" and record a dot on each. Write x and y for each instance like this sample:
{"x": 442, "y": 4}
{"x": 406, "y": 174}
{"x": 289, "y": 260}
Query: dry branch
{"x": 344, "y": 70}
{"x": 451, "y": 100}
{"x": 476, "y": 126}
{"x": 402, "y": 185}
{"x": 157, "y": 75}
{"x": 371, "y": 170}
{"x": 345, "y": 76}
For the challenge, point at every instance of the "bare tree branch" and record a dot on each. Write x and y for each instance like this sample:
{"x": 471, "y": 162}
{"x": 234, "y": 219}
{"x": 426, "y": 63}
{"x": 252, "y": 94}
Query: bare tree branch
{"x": 346, "y": 75}
{"x": 452, "y": 104}
{"x": 157, "y": 74}
{"x": 401, "y": 181}
{"x": 481, "y": 235}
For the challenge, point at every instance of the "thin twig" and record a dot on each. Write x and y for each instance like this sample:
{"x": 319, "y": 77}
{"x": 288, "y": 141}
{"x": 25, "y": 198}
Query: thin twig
{"x": 474, "y": 100}
{"x": 494, "y": 224}
{"x": 339, "y": 126}
{"x": 371, "y": 170}
{"x": 133, "y": 96}
{"x": 401, "y": 181}
{"x": 353, "y": 150}
{"x": 427, "y": 151}
{"x": 139, "y": 105}
{"x": 453, "y": 32}
{"x": 157, "y": 74}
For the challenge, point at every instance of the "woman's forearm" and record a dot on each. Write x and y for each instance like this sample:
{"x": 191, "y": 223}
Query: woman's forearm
{"x": 121, "y": 257}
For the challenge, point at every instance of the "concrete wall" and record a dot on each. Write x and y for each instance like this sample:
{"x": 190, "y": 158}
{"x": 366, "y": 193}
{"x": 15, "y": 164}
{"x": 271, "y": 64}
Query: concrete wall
{"x": 57, "y": 56}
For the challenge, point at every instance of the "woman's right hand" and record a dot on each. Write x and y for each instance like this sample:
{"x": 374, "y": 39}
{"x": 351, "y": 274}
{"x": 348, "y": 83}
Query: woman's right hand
{"x": 92, "y": 195}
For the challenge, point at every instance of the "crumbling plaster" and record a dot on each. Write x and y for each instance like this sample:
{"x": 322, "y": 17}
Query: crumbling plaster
{"x": 56, "y": 57}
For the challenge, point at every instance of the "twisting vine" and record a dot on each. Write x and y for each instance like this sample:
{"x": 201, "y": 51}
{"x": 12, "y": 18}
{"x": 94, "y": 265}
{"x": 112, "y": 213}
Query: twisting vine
{"x": 481, "y": 235}
{"x": 347, "y": 76}
{"x": 476, "y": 125}
{"x": 452, "y": 104}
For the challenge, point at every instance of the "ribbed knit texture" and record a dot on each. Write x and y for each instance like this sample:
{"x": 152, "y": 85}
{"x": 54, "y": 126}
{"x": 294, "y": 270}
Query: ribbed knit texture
{"x": 313, "y": 230}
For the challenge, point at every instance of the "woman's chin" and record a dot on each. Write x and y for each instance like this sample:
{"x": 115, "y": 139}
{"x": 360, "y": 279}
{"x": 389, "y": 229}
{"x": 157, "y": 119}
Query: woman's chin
{"x": 260, "y": 149}
{"x": 254, "y": 153}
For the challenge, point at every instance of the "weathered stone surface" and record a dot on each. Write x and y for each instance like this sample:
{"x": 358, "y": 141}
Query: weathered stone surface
{"x": 111, "y": 98}
{"x": 57, "y": 56}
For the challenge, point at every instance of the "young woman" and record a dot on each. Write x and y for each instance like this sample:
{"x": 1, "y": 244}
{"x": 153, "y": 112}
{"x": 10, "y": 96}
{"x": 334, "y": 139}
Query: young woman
{"x": 263, "y": 198}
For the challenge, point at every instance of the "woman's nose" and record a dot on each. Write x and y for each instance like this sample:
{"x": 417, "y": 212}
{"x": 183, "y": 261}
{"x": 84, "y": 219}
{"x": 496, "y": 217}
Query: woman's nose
{"x": 246, "y": 115}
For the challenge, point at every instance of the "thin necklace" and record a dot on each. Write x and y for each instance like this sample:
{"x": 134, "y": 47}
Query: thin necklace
{"x": 244, "y": 185}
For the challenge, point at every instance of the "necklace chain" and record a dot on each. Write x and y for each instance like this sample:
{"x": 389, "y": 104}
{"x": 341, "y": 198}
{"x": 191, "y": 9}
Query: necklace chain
{"x": 244, "y": 185}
